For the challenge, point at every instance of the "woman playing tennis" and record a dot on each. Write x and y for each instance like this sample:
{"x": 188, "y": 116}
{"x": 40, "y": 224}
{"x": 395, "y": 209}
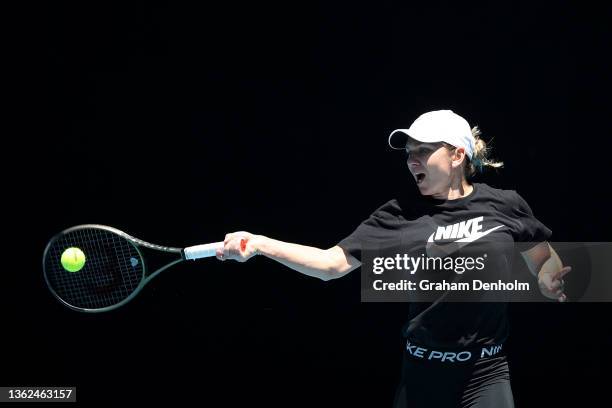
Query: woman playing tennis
{"x": 467, "y": 366}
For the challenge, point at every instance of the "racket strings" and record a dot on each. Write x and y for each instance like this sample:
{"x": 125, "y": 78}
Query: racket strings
{"x": 113, "y": 269}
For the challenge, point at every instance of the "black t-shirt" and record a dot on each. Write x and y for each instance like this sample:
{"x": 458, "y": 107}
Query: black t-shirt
{"x": 495, "y": 219}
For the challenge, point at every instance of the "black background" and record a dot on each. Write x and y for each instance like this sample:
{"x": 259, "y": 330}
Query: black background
{"x": 178, "y": 124}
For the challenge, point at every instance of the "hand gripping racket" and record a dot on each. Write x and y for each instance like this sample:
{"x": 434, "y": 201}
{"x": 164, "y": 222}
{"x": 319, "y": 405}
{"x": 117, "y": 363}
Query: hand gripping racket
{"x": 95, "y": 268}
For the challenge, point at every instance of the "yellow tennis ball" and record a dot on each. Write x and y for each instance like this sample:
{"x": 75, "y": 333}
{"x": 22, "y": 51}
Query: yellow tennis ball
{"x": 73, "y": 259}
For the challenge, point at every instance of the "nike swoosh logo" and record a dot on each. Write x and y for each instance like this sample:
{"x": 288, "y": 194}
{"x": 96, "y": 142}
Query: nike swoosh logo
{"x": 450, "y": 247}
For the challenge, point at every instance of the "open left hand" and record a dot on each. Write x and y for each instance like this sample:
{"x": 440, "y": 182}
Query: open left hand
{"x": 552, "y": 284}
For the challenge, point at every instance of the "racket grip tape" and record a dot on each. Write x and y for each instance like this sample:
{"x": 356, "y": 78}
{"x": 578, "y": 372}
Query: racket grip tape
{"x": 202, "y": 251}
{"x": 207, "y": 250}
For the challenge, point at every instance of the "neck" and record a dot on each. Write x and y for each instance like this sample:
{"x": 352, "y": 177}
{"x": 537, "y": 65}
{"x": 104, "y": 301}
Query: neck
{"x": 458, "y": 188}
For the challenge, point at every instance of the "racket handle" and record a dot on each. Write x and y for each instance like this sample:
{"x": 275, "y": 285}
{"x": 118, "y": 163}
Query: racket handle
{"x": 207, "y": 250}
{"x": 202, "y": 251}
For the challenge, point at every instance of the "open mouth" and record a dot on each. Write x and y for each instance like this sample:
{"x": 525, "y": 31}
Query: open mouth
{"x": 419, "y": 177}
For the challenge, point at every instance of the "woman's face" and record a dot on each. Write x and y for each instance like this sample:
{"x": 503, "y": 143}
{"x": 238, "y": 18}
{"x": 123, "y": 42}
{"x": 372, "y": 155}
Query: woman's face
{"x": 431, "y": 165}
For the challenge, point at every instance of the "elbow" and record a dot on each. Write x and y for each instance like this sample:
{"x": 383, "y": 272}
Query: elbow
{"x": 334, "y": 271}
{"x": 331, "y": 271}
{"x": 338, "y": 264}
{"x": 326, "y": 276}
{"x": 330, "y": 274}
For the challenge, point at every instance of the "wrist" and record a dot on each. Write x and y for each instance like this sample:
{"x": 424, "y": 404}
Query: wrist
{"x": 260, "y": 242}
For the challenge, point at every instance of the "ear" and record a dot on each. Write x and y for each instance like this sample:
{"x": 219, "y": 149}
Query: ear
{"x": 458, "y": 156}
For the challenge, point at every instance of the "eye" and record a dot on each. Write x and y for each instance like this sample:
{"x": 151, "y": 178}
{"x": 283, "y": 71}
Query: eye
{"x": 422, "y": 150}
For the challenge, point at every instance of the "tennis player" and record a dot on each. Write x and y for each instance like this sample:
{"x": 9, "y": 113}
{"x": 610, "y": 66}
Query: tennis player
{"x": 454, "y": 354}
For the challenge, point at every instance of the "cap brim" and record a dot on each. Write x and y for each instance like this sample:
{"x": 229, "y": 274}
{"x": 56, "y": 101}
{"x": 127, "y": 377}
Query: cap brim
{"x": 399, "y": 137}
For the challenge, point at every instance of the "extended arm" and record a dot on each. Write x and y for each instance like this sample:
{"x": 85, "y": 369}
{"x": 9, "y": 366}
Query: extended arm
{"x": 324, "y": 264}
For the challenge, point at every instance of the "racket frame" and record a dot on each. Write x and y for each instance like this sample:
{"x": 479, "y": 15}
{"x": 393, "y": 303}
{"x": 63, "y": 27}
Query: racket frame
{"x": 136, "y": 243}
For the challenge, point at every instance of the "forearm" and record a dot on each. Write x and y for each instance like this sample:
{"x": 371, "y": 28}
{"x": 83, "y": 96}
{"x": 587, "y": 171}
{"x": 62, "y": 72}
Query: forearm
{"x": 552, "y": 264}
{"x": 541, "y": 259}
{"x": 307, "y": 260}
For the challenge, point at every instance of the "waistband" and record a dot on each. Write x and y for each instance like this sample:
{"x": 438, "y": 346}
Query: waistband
{"x": 463, "y": 355}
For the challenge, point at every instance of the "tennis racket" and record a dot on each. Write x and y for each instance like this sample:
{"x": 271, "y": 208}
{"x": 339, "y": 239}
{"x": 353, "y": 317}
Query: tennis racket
{"x": 108, "y": 269}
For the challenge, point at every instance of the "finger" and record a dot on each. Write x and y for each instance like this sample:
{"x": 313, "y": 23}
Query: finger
{"x": 552, "y": 286}
{"x": 556, "y": 285}
{"x": 227, "y": 253}
{"x": 561, "y": 272}
{"x": 233, "y": 236}
{"x": 564, "y": 271}
{"x": 233, "y": 247}
{"x": 562, "y": 298}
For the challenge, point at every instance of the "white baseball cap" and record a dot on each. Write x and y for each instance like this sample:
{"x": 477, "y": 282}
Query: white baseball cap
{"x": 437, "y": 126}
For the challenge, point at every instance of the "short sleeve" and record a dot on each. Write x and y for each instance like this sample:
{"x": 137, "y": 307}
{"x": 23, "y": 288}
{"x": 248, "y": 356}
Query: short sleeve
{"x": 379, "y": 227}
{"x": 353, "y": 244}
{"x": 526, "y": 227}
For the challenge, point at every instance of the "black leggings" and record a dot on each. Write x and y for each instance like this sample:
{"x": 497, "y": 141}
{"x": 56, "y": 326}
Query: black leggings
{"x": 481, "y": 383}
